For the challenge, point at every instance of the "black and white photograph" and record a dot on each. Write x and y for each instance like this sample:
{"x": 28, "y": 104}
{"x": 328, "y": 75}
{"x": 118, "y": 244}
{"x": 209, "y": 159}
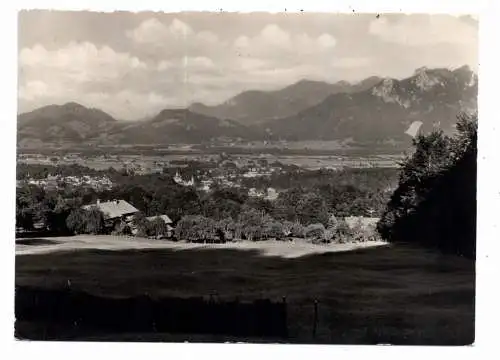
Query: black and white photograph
{"x": 267, "y": 178}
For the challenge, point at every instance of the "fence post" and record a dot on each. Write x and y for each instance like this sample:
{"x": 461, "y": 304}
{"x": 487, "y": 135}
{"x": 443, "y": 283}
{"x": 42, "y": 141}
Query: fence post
{"x": 315, "y": 318}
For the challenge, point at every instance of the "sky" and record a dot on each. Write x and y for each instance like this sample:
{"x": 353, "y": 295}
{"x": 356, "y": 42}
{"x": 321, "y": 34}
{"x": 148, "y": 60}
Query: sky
{"x": 132, "y": 65}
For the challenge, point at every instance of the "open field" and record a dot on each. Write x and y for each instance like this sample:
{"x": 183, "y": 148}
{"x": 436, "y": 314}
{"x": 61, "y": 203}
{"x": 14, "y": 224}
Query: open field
{"x": 285, "y": 249}
{"x": 305, "y": 161}
{"x": 387, "y": 294}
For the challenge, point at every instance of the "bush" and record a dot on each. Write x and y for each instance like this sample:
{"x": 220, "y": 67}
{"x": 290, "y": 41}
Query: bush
{"x": 273, "y": 229}
{"x": 122, "y": 229}
{"x": 196, "y": 228}
{"x": 316, "y": 232}
{"x": 286, "y": 228}
{"x": 297, "y": 230}
{"x": 343, "y": 233}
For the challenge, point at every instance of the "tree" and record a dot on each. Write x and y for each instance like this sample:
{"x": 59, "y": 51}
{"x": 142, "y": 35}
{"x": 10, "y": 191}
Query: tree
{"x": 315, "y": 232}
{"x": 311, "y": 209}
{"x": 195, "y": 228}
{"x": 81, "y": 221}
{"x": 226, "y": 227}
{"x": 332, "y": 222}
{"x": 76, "y": 221}
{"x": 437, "y": 186}
{"x": 24, "y": 218}
{"x": 252, "y": 222}
{"x": 286, "y": 227}
{"x": 272, "y": 229}
{"x": 343, "y": 233}
{"x": 158, "y": 227}
{"x": 297, "y": 230}
{"x": 141, "y": 224}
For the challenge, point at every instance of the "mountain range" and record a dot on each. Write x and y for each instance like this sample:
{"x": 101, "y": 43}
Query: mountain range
{"x": 373, "y": 110}
{"x": 253, "y": 107}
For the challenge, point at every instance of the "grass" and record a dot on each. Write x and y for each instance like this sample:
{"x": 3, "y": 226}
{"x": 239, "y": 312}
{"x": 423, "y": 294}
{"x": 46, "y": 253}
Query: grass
{"x": 395, "y": 294}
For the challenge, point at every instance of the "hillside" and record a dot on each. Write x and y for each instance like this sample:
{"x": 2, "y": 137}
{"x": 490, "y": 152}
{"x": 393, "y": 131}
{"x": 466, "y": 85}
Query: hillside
{"x": 384, "y": 111}
{"x": 252, "y": 107}
{"x": 68, "y": 123}
{"x": 178, "y": 126}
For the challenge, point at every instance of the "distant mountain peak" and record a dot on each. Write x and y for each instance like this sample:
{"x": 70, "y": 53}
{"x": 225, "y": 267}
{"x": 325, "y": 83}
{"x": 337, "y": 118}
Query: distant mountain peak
{"x": 73, "y": 104}
{"x": 463, "y": 69}
{"x": 386, "y": 91}
{"x": 426, "y": 80}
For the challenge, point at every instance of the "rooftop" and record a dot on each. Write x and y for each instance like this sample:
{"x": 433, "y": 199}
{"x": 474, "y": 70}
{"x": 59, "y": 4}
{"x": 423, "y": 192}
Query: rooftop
{"x": 114, "y": 209}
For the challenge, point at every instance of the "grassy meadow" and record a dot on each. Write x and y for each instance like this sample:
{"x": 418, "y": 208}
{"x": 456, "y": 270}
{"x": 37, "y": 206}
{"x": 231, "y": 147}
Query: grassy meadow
{"x": 392, "y": 294}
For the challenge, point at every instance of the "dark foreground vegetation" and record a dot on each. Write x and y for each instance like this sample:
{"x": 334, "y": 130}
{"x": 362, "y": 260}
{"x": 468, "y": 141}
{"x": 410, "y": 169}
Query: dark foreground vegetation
{"x": 80, "y": 313}
{"x": 435, "y": 202}
{"x": 398, "y": 294}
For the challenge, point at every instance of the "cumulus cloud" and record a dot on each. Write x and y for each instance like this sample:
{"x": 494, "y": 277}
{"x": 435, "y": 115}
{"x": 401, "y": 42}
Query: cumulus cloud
{"x": 75, "y": 72}
{"x": 272, "y": 40}
{"x": 153, "y": 32}
{"x": 80, "y": 62}
{"x": 422, "y": 30}
{"x": 33, "y": 90}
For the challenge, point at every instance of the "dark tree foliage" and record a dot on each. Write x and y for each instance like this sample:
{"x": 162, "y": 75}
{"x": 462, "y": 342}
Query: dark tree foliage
{"x": 435, "y": 202}
{"x": 80, "y": 221}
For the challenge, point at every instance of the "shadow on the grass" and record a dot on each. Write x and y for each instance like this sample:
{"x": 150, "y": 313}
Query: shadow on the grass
{"x": 395, "y": 294}
{"x": 35, "y": 242}
{"x": 84, "y": 313}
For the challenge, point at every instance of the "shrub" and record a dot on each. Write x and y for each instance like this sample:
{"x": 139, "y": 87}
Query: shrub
{"x": 343, "y": 233}
{"x": 286, "y": 228}
{"x": 315, "y": 232}
{"x": 332, "y": 222}
{"x": 122, "y": 228}
{"x": 273, "y": 229}
{"x": 196, "y": 228}
{"x": 297, "y": 230}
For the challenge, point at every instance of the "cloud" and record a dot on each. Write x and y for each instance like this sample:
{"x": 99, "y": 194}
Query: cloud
{"x": 199, "y": 62}
{"x": 273, "y": 41}
{"x": 326, "y": 41}
{"x": 153, "y": 32}
{"x": 424, "y": 30}
{"x": 77, "y": 72}
{"x": 164, "y": 65}
{"x": 351, "y": 62}
{"x": 80, "y": 62}
{"x": 33, "y": 90}
{"x": 273, "y": 35}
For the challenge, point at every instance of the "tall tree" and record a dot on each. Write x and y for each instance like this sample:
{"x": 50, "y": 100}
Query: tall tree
{"x": 435, "y": 202}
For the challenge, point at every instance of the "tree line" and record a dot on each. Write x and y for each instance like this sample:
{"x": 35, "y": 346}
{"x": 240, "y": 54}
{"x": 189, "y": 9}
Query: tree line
{"x": 223, "y": 212}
